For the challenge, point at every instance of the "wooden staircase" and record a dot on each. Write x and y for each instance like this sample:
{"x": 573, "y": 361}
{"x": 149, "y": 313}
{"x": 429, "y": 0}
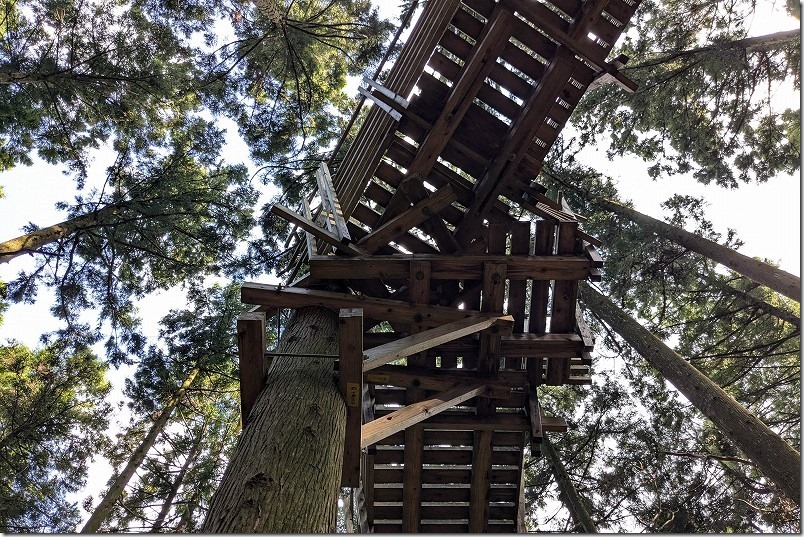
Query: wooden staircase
{"x": 457, "y": 276}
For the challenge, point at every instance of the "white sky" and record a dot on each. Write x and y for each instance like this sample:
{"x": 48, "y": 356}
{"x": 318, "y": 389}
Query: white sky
{"x": 766, "y": 216}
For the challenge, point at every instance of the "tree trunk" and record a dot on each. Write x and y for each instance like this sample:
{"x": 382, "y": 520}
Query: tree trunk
{"x": 771, "y": 454}
{"x": 770, "y": 309}
{"x": 763, "y": 273}
{"x": 285, "y": 474}
{"x": 748, "y": 45}
{"x": 174, "y": 490}
{"x": 116, "y": 489}
{"x": 31, "y": 242}
{"x": 572, "y": 500}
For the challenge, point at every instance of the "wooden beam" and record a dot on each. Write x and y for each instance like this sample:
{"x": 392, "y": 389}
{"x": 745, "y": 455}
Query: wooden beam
{"x": 295, "y": 218}
{"x": 481, "y": 480}
{"x": 564, "y": 345}
{"x": 414, "y": 413}
{"x": 540, "y": 267}
{"x": 411, "y": 218}
{"x": 277, "y": 296}
{"x": 251, "y": 354}
{"x": 350, "y": 381}
{"x": 437, "y": 380}
{"x": 330, "y": 203}
{"x": 412, "y": 479}
{"x": 428, "y": 339}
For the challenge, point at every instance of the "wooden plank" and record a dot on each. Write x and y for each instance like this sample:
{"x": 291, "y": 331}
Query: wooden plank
{"x": 251, "y": 355}
{"x": 401, "y": 224}
{"x": 564, "y": 345}
{"x": 295, "y": 218}
{"x": 447, "y": 493}
{"x": 379, "y": 103}
{"x": 444, "y": 455}
{"x": 539, "y": 267}
{"x": 350, "y": 381}
{"x": 481, "y": 479}
{"x": 414, "y": 343}
{"x": 470, "y": 422}
{"x": 375, "y": 308}
{"x": 417, "y": 412}
{"x": 312, "y": 247}
{"x": 329, "y": 201}
{"x": 435, "y": 379}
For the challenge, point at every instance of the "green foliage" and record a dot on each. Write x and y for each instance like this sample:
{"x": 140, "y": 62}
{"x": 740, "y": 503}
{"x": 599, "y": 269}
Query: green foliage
{"x": 52, "y": 417}
{"x": 204, "y": 424}
{"x": 78, "y": 73}
{"x": 177, "y": 213}
{"x": 701, "y": 105}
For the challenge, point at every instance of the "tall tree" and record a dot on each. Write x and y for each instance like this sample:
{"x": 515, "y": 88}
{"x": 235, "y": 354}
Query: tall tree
{"x": 704, "y": 103}
{"x": 52, "y": 420}
{"x": 285, "y": 473}
{"x": 777, "y": 460}
{"x": 196, "y": 354}
{"x": 159, "y": 220}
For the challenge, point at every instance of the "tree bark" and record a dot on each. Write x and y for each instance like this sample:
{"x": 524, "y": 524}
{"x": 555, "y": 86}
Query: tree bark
{"x": 174, "y": 489}
{"x": 116, "y": 489}
{"x": 31, "y": 242}
{"x": 771, "y": 454}
{"x": 285, "y": 473}
{"x": 572, "y": 500}
{"x": 748, "y": 45}
{"x": 763, "y": 273}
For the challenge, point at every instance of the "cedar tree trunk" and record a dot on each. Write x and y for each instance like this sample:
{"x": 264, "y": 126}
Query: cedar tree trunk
{"x": 572, "y": 500}
{"x": 285, "y": 474}
{"x": 31, "y": 242}
{"x": 773, "y": 277}
{"x": 772, "y": 455}
{"x": 116, "y": 490}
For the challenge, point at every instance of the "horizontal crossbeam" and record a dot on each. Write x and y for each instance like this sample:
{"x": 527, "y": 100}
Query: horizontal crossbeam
{"x": 451, "y": 267}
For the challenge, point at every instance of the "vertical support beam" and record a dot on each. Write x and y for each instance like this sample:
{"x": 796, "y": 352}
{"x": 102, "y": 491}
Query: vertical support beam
{"x": 251, "y": 353}
{"x": 517, "y": 289}
{"x": 537, "y": 324}
{"x": 565, "y": 292}
{"x": 481, "y": 480}
{"x": 419, "y": 293}
{"x": 350, "y": 381}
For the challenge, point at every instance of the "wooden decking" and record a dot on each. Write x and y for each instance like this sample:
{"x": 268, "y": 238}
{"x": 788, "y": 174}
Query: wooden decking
{"x": 457, "y": 276}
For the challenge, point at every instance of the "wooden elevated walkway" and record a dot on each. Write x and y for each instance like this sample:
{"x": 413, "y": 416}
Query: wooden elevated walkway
{"x": 457, "y": 276}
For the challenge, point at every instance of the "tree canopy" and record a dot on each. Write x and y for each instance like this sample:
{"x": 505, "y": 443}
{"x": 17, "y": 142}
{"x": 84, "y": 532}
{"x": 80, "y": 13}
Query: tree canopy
{"x": 152, "y": 82}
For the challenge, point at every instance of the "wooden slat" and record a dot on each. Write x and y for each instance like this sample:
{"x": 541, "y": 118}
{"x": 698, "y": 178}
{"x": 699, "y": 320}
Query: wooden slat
{"x": 538, "y": 267}
{"x": 481, "y": 479}
{"x": 454, "y": 493}
{"x": 350, "y": 381}
{"x": 439, "y": 380}
{"x": 251, "y": 354}
{"x": 414, "y": 343}
{"x": 375, "y": 308}
{"x": 329, "y": 201}
{"x": 416, "y": 412}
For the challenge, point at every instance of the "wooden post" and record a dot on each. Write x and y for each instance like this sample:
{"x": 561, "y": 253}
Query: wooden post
{"x": 251, "y": 353}
{"x": 350, "y": 380}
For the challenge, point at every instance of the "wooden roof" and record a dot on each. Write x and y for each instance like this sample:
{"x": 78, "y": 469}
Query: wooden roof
{"x": 435, "y": 229}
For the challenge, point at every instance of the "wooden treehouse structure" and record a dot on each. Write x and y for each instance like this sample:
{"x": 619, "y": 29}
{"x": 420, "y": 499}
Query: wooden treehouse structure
{"x": 459, "y": 275}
